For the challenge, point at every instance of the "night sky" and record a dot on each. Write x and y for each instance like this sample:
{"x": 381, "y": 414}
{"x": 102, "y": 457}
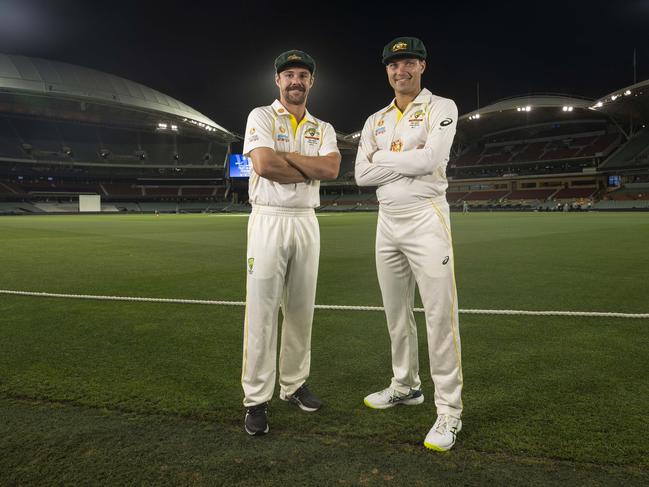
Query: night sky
{"x": 218, "y": 57}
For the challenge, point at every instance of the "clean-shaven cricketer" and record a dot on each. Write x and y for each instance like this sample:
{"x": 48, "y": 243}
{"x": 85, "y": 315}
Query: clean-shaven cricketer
{"x": 291, "y": 152}
{"x": 404, "y": 149}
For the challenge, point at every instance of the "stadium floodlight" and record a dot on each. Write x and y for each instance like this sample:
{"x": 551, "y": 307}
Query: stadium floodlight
{"x": 627, "y": 92}
{"x": 528, "y": 108}
{"x": 162, "y": 126}
{"x": 174, "y": 128}
{"x": 104, "y": 153}
{"x": 614, "y": 97}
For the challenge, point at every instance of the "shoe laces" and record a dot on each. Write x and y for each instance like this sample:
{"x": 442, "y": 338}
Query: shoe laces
{"x": 258, "y": 409}
{"x": 443, "y": 422}
{"x": 302, "y": 391}
{"x": 390, "y": 393}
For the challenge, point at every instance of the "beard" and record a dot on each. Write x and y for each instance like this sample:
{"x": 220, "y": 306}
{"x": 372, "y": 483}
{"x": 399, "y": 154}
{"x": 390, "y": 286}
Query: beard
{"x": 295, "y": 96}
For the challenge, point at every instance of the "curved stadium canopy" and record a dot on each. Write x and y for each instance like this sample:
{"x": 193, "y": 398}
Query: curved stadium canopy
{"x": 41, "y": 77}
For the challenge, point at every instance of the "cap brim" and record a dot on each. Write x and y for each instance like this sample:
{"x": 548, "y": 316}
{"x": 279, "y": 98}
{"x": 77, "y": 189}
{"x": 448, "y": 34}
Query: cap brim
{"x": 293, "y": 64}
{"x": 402, "y": 55}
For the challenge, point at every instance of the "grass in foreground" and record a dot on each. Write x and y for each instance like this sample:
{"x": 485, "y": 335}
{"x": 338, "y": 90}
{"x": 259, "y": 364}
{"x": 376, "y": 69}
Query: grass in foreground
{"x": 150, "y": 394}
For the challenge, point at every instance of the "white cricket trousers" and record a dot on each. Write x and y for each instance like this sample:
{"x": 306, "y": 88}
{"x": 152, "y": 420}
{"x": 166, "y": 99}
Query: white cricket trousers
{"x": 413, "y": 245}
{"x": 282, "y": 269}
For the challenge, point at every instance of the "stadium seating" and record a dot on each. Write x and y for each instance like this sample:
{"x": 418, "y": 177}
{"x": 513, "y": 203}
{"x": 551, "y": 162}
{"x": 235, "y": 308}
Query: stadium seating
{"x": 123, "y": 189}
{"x": 530, "y": 194}
{"x": 161, "y": 191}
{"x": 526, "y": 151}
{"x": 455, "y": 196}
{"x": 630, "y": 153}
{"x": 486, "y": 195}
{"x": 200, "y": 191}
{"x": 574, "y": 193}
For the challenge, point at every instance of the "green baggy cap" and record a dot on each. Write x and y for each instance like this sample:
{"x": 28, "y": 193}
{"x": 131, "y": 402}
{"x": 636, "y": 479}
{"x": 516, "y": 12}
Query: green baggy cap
{"x": 404, "y": 47}
{"x": 294, "y": 58}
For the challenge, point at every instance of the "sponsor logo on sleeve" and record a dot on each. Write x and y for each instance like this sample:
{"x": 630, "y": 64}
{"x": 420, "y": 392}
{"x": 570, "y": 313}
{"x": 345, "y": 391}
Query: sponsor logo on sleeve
{"x": 380, "y": 129}
{"x": 253, "y": 137}
{"x": 446, "y": 122}
{"x": 251, "y": 264}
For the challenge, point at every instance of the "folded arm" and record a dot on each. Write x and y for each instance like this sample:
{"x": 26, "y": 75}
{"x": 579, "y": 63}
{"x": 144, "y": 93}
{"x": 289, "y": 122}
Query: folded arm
{"x": 434, "y": 153}
{"x": 365, "y": 172}
{"x": 314, "y": 167}
{"x": 272, "y": 165}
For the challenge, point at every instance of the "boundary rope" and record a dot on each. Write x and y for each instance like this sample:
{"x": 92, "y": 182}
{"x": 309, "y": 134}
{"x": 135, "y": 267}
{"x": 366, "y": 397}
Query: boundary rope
{"x": 597, "y": 314}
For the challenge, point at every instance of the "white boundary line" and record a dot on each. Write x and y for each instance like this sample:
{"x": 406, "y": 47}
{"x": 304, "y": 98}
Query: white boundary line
{"x": 326, "y": 306}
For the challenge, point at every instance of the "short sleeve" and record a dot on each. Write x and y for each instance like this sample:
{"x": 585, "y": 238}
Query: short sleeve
{"x": 329, "y": 142}
{"x": 259, "y": 131}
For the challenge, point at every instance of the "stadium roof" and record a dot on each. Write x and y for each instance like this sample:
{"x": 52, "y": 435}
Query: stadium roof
{"x": 41, "y": 77}
{"x": 520, "y": 111}
{"x": 630, "y": 103}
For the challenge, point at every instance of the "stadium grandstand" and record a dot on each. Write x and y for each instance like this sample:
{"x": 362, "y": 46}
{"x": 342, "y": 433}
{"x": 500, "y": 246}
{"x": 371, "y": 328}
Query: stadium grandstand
{"x": 67, "y": 131}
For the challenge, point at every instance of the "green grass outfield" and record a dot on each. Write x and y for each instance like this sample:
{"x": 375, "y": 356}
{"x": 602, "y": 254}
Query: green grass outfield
{"x": 104, "y": 392}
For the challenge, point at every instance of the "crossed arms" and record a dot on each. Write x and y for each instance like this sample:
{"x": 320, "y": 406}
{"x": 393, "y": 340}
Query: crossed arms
{"x": 291, "y": 167}
{"x": 376, "y": 167}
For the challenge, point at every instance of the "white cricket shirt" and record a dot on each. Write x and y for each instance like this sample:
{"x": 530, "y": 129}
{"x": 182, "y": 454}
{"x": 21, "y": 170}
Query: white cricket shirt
{"x": 404, "y": 174}
{"x": 271, "y": 127}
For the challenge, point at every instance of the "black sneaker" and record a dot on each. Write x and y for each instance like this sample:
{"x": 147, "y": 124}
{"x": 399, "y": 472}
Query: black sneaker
{"x": 304, "y": 399}
{"x": 256, "y": 423}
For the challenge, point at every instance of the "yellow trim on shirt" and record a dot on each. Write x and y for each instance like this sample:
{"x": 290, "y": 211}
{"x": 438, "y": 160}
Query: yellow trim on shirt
{"x": 399, "y": 113}
{"x": 295, "y": 125}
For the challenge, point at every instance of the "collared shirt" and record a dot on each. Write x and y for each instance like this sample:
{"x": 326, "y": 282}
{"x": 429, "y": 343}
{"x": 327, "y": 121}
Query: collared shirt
{"x": 410, "y": 150}
{"x": 274, "y": 127}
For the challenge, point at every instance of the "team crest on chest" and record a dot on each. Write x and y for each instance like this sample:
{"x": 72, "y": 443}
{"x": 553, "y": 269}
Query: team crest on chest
{"x": 416, "y": 118}
{"x": 312, "y": 136}
{"x": 396, "y": 145}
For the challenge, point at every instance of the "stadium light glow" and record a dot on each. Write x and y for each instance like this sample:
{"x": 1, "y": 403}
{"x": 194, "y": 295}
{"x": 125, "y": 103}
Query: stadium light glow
{"x": 614, "y": 97}
{"x": 627, "y": 92}
{"x": 162, "y": 126}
